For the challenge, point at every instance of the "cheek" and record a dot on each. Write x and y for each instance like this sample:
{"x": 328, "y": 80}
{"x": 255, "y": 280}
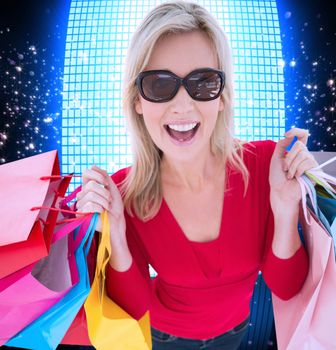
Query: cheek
{"x": 153, "y": 110}
{"x": 152, "y": 114}
{"x": 210, "y": 114}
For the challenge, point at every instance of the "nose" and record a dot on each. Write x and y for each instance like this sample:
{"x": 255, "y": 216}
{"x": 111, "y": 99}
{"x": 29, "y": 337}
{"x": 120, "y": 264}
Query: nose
{"x": 182, "y": 103}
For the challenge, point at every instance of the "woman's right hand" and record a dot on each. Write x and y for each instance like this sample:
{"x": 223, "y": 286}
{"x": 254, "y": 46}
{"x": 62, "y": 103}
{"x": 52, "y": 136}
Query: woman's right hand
{"x": 100, "y": 193}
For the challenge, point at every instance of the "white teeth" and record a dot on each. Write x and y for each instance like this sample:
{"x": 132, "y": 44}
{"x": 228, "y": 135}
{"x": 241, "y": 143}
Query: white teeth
{"x": 182, "y": 127}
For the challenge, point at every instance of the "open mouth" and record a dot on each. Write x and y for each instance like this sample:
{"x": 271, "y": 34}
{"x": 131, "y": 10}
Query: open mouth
{"x": 182, "y": 132}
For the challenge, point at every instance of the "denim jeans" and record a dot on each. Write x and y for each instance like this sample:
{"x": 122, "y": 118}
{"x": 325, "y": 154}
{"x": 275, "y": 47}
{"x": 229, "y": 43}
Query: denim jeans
{"x": 227, "y": 341}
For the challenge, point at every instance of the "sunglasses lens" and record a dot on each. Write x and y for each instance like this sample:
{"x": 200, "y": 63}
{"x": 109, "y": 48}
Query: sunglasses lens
{"x": 204, "y": 85}
{"x": 158, "y": 86}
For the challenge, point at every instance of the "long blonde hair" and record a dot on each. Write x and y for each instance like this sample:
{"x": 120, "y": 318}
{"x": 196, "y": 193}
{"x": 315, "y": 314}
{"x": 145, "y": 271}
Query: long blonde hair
{"x": 141, "y": 189}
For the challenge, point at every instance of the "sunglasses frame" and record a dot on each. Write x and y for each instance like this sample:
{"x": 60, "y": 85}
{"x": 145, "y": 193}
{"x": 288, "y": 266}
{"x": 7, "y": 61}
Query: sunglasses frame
{"x": 180, "y": 81}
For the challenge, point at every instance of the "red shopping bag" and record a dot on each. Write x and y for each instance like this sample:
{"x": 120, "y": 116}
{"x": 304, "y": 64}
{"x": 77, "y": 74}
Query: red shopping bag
{"x": 77, "y": 334}
{"x": 25, "y": 234}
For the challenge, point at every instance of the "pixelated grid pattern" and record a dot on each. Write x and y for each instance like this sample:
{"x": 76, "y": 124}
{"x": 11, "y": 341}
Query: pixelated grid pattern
{"x": 98, "y": 33}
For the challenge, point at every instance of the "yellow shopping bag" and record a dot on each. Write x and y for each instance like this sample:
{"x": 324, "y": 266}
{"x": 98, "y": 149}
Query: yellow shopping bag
{"x": 109, "y": 326}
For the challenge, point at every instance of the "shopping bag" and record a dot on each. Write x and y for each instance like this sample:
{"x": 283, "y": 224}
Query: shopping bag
{"x": 31, "y": 182}
{"x": 323, "y": 206}
{"x": 35, "y": 292}
{"x": 77, "y": 333}
{"x": 307, "y": 320}
{"x": 327, "y": 206}
{"x": 109, "y": 326}
{"x": 47, "y": 331}
{"x": 8, "y": 280}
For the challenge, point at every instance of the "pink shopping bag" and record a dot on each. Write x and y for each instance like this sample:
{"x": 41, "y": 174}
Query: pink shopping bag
{"x": 307, "y": 321}
{"x": 36, "y": 291}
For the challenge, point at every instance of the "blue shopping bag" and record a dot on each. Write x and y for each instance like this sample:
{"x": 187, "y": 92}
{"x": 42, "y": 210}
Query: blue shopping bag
{"x": 47, "y": 331}
{"x": 324, "y": 196}
{"x": 323, "y": 207}
{"x": 328, "y": 207}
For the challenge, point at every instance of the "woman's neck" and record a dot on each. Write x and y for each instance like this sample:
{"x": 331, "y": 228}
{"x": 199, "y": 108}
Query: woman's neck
{"x": 192, "y": 175}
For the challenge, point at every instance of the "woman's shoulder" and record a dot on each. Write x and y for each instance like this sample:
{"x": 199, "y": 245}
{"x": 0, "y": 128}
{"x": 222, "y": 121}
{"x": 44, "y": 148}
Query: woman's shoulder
{"x": 119, "y": 176}
{"x": 261, "y": 149}
{"x": 257, "y": 154}
{"x": 261, "y": 145}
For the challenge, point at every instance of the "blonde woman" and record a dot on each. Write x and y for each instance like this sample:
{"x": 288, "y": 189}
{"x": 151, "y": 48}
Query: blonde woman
{"x": 205, "y": 209}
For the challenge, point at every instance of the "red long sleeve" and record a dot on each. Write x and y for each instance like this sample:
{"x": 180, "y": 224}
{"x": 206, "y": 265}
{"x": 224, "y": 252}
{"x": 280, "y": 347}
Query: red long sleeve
{"x": 134, "y": 289}
{"x": 284, "y": 277}
{"x": 131, "y": 289}
{"x": 278, "y": 273}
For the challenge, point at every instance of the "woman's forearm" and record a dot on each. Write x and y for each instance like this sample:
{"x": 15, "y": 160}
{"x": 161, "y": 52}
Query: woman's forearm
{"x": 121, "y": 258}
{"x": 286, "y": 239}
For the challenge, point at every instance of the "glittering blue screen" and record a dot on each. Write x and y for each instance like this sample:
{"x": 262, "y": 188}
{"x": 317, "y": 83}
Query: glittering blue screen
{"x": 98, "y": 33}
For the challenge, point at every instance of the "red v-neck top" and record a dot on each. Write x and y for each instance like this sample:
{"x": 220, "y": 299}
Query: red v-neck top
{"x": 204, "y": 289}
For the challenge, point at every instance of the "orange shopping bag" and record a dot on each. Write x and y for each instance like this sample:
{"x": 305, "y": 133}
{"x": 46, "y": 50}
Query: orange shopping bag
{"x": 25, "y": 234}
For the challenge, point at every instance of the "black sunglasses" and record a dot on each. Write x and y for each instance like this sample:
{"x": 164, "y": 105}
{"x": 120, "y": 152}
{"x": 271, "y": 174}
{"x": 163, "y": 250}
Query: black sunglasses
{"x": 204, "y": 84}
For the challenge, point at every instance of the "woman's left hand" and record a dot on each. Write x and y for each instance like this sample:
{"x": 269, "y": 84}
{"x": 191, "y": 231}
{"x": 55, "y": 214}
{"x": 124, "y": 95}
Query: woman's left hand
{"x": 284, "y": 167}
